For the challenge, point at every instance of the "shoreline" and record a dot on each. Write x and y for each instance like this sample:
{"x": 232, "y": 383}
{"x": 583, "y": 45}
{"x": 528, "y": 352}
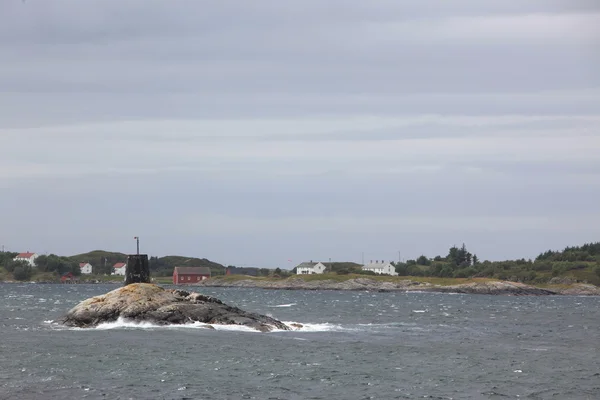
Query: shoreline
{"x": 484, "y": 287}
{"x": 488, "y": 287}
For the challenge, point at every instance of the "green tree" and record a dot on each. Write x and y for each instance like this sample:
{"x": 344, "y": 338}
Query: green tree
{"x": 6, "y": 257}
{"x": 401, "y": 269}
{"x": 460, "y": 257}
{"x": 422, "y": 260}
{"x": 23, "y": 272}
{"x": 11, "y": 265}
{"x": 414, "y": 270}
{"x": 57, "y": 264}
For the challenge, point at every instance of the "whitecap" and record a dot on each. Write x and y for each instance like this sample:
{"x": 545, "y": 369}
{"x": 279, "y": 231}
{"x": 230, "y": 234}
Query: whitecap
{"x": 326, "y": 327}
{"x": 284, "y": 305}
{"x": 122, "y": 323}
{"x": 233, "y": 328}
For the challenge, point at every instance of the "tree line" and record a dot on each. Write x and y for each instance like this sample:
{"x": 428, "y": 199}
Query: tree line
{"x": 581, "y": 263}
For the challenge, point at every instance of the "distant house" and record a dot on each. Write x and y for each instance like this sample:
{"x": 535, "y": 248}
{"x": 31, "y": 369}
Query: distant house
{"x": 119, "y": 268}
{"x": 380, "y": 267}
{"x": 310, "y": 268}
{"x": 86, "y": 268}
{"x": 190, "y": 274}
{"x": 27, "y": 257}
{"x": 69, "y": 278}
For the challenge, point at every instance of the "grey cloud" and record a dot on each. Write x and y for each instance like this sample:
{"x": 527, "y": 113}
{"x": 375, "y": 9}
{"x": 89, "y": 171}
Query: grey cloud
{"x": 329, "y": 127}
{"x": 312, "y": 51}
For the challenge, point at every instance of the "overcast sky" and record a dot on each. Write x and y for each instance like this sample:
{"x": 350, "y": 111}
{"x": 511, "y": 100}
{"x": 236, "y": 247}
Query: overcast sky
{"x": 257, "y": 132}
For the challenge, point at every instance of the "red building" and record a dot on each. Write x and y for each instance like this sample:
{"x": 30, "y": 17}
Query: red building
{"x": 68, "y": 278}
{"x": 182, "y": 275}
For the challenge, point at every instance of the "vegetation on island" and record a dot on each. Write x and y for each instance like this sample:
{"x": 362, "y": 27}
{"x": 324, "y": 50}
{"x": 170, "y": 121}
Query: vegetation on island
{"x": 573, "y": 264}
{"x": 52, "y": 267}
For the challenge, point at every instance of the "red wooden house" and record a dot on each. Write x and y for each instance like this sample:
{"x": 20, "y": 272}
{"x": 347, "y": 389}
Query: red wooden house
{"x": 68, "y": 278}
{"x": 183, "y": 275}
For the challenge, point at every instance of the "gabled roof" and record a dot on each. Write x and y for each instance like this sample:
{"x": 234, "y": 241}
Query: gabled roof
{"x": 81, "y": 265}
{"x": 192, "y": 270}
{"x": 25, "y": 255}
{"x": 308, "y": 264}
{"x": 376, "y": 265}
{"x": 120, "y": 265}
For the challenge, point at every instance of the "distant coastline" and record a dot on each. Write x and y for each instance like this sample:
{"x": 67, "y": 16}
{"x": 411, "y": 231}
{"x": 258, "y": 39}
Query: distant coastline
{"x": 572, "y": 271}
{"x": 406, "y": 284}
{"x": 380, "y": 284}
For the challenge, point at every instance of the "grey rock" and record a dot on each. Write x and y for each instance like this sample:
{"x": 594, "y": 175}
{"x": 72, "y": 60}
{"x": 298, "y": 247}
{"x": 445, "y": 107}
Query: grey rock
{"x": 151, "y": 303}
{"x": 406, "y": 285}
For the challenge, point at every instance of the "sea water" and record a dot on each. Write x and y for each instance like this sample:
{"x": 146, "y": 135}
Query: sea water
{"x": 353, "y": 345}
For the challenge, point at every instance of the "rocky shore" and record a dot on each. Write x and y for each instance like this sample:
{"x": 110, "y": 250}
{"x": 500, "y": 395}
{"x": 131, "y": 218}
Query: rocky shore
{"x": 145, "y": 302}
{"x": 488, "y": 287}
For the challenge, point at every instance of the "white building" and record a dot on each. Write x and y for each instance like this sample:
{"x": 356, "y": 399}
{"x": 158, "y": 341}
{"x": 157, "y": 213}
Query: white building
{"x": 119, "y": 269}
{"x": 310, "y": 268}
{"x": 380, "y": 267}
{"x": 27, "y": 257}
{"x": 86, "y": 268}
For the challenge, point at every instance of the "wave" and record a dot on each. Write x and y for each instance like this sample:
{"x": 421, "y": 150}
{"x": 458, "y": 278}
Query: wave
{"x": 122, "y": 323}
{"x": 295, "y": 327}
{"x": 284, "y": 305}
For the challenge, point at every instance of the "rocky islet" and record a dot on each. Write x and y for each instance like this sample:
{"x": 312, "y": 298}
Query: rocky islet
{"x": 145, "y": 302}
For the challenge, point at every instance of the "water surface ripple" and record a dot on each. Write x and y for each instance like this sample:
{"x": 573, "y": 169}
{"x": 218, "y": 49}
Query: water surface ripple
{"x": 356, "y": 345}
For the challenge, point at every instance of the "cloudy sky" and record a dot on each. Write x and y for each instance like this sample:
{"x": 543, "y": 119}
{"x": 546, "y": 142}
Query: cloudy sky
{"x": 257, "y": 132}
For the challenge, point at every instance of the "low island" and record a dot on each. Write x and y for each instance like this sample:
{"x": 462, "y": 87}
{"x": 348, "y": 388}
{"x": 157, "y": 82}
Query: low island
{"x": 146, "y": 302}
{"x": 404, "y": 284}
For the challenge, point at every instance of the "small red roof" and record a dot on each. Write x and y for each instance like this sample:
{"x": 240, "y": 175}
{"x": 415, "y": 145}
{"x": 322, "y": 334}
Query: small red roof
{"x": 67, "y": 276}
{"x": 119, "y": 265}
{"x": 81, "y": 265}
{"x": 26, "y": 255}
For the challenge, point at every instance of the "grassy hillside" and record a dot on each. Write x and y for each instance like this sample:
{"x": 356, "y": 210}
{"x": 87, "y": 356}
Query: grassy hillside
{"x": 102, "y": 261}
{"x": 343, "y": 267}
{"x": 159, "y": 266}
{"x": 163, "y": 266}
{"x": 98, "y": 256}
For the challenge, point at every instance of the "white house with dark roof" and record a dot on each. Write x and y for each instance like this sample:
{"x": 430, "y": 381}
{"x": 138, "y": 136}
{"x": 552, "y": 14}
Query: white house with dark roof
{"x": 119, "y": 268}
{"x": 380, "y": 267}
{"x": 310, "y": 268}
{"x": 86, "y": 268}
{"x": 27, "y": 257}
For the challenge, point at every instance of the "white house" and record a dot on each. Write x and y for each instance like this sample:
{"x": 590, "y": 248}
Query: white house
{"x": 27, "y": 257}
{"x": 86, "y": 268}
{"x": 119, "y": 268}
{"x": 310, "y": 268}
{"x": 380, "y": 267}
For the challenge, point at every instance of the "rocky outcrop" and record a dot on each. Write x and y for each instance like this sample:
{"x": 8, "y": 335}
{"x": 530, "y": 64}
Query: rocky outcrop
{"x": 485, "y": 287}
{"x": 325, "y": 284}
{"x": 151, "y": 303}
{"x": 495, "y": 287}
{"x": 580, "y": 289}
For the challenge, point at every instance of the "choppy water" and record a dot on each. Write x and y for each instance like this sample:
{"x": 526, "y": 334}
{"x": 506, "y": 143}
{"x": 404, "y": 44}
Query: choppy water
{"x": 356, "y": 345}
